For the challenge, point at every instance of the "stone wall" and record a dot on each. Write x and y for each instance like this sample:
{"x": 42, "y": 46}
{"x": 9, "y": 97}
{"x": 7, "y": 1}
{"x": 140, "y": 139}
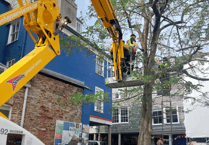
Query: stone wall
{"x": 134, "y": 117}
{"x": 134, "y": 120}
{"x": 43, "y": 107}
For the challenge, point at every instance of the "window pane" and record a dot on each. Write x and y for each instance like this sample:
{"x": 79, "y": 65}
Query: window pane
{"x": 9, "y": 63}
{"x": 124, "y": 119}
{"x": 16, "y": 35}
{"x": 17, "y": 26}
{"x": 155, "y": 119}
{"x": 160, "y": 119}
{"x": 154, "y": 113}
{"x": 1, "y": 70}
{"x": 13, "y": 61}
{"x": 13, "y": 37}
{"x": 174, "y": 112}
{"x": 175, "y": 118}
{"x": 124, "y": 114}
{"x": 115, "y": 115}
{"x": 159, "y": 113}
{"x": 169, "y": 118}
{"x": 5, "y": 110}
{"x": 123, "y": 111}
{"x": 13, "y": 28}
{"x": 99, "y": 66}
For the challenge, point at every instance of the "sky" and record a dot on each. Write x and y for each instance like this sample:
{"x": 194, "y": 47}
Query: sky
{"x": 82, "y": 6}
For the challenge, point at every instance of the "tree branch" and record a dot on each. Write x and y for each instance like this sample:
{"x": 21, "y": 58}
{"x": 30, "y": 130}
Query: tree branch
{"x": 194, "y": 77}
{"x": 191, "y": 47}
{"x": 154, "y": 7}
{"x": 170, "y": 23}
{"x": 125, "y": 99}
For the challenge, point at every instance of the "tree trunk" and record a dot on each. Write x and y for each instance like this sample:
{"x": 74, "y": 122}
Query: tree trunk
{"x": 145, "y": 132}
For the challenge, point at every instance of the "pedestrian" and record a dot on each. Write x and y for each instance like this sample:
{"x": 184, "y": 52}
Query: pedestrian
{"x": 159, "y": 142}
{"x": 73, "y": 141}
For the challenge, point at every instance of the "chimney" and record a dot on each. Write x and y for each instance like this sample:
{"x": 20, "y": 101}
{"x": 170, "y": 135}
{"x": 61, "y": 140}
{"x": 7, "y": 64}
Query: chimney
{"x": 68, "y": 8}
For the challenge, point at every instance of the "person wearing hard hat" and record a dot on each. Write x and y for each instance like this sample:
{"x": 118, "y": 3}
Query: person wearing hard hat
{"x": 133, "y": 45}
{"x": 165, "y": 76}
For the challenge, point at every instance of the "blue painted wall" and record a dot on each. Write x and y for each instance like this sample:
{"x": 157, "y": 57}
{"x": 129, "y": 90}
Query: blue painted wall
{"x": 14, "y": 49}
{"x": 3, "y": 29}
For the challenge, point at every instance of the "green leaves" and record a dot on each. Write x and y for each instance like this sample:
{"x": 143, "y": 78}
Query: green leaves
{"x": 89, "y": 98}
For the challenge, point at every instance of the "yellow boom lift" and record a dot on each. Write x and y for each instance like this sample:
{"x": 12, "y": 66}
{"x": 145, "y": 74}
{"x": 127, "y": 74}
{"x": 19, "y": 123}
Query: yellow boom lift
{"x": 43, "y": 18}
{"x": 107, "y": 14}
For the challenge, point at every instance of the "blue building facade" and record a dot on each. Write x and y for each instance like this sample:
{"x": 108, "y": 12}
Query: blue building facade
{"x": 3, "y": 29}
{"x": 16, "y": 43}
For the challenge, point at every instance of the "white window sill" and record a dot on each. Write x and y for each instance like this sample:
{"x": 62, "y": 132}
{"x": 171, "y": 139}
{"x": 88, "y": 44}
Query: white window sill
{"x": 121, "y": 123}
{"x": 99, "y": 112}
{"x": 172, "y": 123}
{"x": 100, "y": 75}
{"x": 167, "y": 123}
{"x": 11, "y": 42}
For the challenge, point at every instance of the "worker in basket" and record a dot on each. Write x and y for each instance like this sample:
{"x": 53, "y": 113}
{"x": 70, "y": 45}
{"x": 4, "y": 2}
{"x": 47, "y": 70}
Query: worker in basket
{"x": 132, "y": 50}
{"x": 125, "y": 65}
{"x": 165, "y": 76}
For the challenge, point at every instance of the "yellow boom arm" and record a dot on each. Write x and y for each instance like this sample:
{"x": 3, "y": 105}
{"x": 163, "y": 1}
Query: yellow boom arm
{"x": 42, "y": 18}
{"x": 107, "y": 14}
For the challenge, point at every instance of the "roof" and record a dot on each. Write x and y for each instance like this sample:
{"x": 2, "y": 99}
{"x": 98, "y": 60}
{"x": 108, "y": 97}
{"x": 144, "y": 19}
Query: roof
{"x": 64, "y": 78}
{"x": 6, "y": 2}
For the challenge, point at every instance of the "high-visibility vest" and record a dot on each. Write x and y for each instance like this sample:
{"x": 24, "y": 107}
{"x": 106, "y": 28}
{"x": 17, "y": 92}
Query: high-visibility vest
{"x": 132, "y": 45}
{"x": 129, "y": 43}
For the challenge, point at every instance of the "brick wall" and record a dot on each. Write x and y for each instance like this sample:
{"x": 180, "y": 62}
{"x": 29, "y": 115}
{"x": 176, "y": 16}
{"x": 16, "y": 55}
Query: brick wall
{"x": 43, "y": 108}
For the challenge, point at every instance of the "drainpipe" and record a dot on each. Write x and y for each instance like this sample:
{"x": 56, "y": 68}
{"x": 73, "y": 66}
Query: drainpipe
{"x": 27, "y": 86}
{"x": 24, "y": 106}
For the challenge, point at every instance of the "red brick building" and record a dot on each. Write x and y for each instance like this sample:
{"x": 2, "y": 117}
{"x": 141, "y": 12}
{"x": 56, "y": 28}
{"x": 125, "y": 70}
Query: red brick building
{"x": 46, "y": 97}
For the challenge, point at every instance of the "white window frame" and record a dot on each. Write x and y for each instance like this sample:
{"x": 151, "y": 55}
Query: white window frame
{"x": 4, "y": 68}
{"x": 78, "y": 29}
{"x": 15, "y": 22}
{"x": 10, "y": 63}
{"x": 111, "y": 71}
{"x": 97, "y": 89}
{"x": 116, "y": 94}
{"x": 177, "y": 112}
{"x": 113, "y": 113}
{"x": 153, "y": 119}
{"x": 164, "y": 116}
{"x": 102, "y": 73}
{"x": 10, "y": 110}
{"x": 121, "y": 93}
{"x": 119, "y": 115}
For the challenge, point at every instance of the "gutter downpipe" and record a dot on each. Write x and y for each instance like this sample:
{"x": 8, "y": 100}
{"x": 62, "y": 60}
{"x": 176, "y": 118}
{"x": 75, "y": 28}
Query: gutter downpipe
{"x": 24, "y": 106}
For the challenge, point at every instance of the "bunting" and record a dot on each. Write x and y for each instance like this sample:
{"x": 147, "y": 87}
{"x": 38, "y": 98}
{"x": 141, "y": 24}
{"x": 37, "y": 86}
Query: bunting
{"x": 178, "y": 137}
